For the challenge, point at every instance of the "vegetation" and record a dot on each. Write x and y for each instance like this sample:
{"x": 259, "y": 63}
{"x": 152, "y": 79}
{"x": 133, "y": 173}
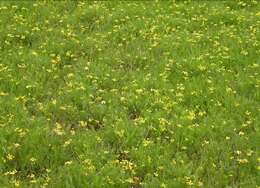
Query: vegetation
{"x": 129, "y": 94}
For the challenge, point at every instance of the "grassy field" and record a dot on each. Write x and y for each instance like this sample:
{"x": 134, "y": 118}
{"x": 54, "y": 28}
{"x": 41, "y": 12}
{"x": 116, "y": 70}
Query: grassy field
{"x": 130, "y": 94}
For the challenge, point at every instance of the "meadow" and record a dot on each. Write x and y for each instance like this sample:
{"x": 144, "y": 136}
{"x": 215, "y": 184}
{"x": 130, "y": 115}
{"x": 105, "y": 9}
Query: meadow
{"x": 154, "y": 94}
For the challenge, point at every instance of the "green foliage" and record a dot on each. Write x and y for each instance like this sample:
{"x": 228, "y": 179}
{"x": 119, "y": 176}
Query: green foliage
{"x": 129, "y": 94}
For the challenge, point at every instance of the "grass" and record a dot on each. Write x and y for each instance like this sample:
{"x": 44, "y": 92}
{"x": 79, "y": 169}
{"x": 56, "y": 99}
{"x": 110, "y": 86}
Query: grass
{"x": 129, "y": 94}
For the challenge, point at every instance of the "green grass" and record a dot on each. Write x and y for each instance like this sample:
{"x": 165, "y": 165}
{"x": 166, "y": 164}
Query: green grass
{"x": 130, "y": 94}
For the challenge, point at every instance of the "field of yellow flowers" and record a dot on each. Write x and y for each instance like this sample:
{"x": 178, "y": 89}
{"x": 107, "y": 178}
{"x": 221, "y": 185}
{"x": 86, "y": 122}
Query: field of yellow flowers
{"x": 130, "y": 94}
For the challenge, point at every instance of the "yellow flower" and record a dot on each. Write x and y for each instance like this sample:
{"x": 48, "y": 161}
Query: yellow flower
{"x": 9, "y": 157}
{"x": 242, "y": 161}
{"x": 33, "y": 160}
{"x": 68, "y": 162}
{"x": 146, "y": 143}
{"x": 3, "y": 94}
{"x": 191, "y": 115}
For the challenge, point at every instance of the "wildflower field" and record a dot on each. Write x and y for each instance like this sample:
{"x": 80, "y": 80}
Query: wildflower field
{"x": 130, "y": 94}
